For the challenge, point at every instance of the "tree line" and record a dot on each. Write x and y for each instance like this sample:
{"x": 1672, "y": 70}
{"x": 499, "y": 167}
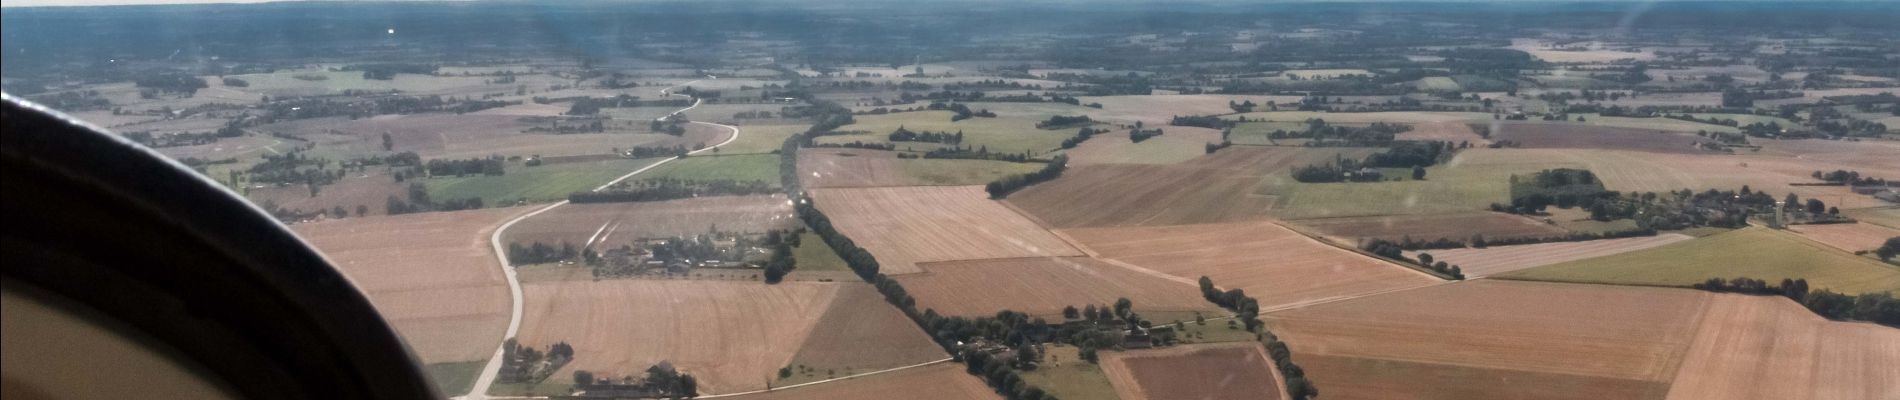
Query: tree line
{"x": 1001, "y": 188}
{"x": 1247, "y": 310}
{"x": 1080, "y": 136}
{"x": 659, "y": 189}
{"x": 1064, "y": 121}
{"x": 906, "y": 135}
{"x": 1391, "y": 250}
{"x": 489, "y": 166}
{"x": 1877, "y": 307}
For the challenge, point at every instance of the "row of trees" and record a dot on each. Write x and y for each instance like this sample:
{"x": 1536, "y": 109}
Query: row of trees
{"x": 1877, "y": 307}
{"x": 668, "y": 189}
{"x": 1001, "y": 188}
{"x": 540, "y": 253}
{"x": 906, "y": 135}
{"x": 1081, "y": 135}
{"x": 1064, "y": 121}
{"x": 1203, "y": 121}
{"x": 1138, "y": 135}
{"x": 420, "y": 201}
{"x": 1391, "y": 250}
{"x": 1247, "y": 310}
{"x": 491, "y": 166}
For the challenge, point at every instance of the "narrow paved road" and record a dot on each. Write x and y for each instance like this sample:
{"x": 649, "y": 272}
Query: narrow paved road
{"x": 487, "y": 379}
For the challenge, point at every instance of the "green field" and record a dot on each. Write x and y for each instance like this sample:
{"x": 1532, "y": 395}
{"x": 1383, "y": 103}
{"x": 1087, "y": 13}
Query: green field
{"x": 760, "y": 139}
{"x": 813, "y": 255}
{"x": 706, "y": 167}
{"x": 1886, "y": 216}
{"x": 1438, "y": 83}
{"x": 543, "y": 389}
{"x": 937, "y": 171}
{"x": 1255, "y": 133}
{"x": 535, "y": 184}
{"x": 454, "y": 379}
{"x": 1758, "y": 253}
{"x": 1001, "y": 134}
{"x": 1065, "y": 375}
{"x": 1448, "y": 187}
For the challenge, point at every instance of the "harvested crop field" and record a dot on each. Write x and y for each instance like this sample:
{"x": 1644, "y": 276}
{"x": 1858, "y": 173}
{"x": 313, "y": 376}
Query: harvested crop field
{"x": 1459, "y": 226}
{"x": 1577, "y": 136}
{"x": 1454, "y": 132}
{"x": 1216, "y": 188}
{"x": 1043, "y": 286}
{"x": 1277, "y": 266}
{"x": 371, "y": 191}
{"x": 1849, "y": 237}
{"x": 1758, "y": 253}
{"x": 1209, "y": 371}
{"x": 1863, "y": 154}
{"x": 732, "y": 335}
{"x": 1461, "y": 340}
{"x": 943, "y": 381}
{"x": 432, "y": 275}
{"x": 821, "y": 168}
{"x": 623, "y": 222}
{"x": 1884, "y": 216}
{"x": 1501, "y": 259}
{"x": 1175, "y": 145}
{"x": 903, "y": 226}
{"x": 1745, "y": 339}
{"x": 860, "y": 332}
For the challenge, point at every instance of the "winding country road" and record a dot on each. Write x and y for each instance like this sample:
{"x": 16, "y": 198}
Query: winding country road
{"x": 487, "y": 379}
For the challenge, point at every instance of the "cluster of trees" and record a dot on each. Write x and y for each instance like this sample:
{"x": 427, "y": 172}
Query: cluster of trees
{"x": 672, "y": 125}
{"x": 1877, "y": 307}
{"x": 1001, "y": 188}
{"x": 963, "y": 111}
{"x": 1247, "y": 310}
{"x": 491, "y": 166}
{"x": 655, "y": 151}
{"x": 170, "y": 82}
{"x": 1342, "y": 169}
{"x": 1203, "y": 121}
{"x": 1393, "y": 250}
{"x": 1064, "y": 121}
{"x": 1243, "y": 107}
{"x": 906, "y": 135}
{"x": 1563, "y": 187}
{"x": 523, "y": 364}
{"x": 540, "y": 253}
{"x": 980, "y": 153}
{"x": 668, "y": 189}
{"x": 661, "y": 381}
{"x": 420, "y": 201}
{"x": 1889, "y": 249}
{"x": 782, "y": 261}
{"x": 1413, "y": 154}
{"x": 1213, "y": 147}
{"x": 1081, "y": 135}
{"x": 1844, "y": 177}
{"x": 388, "y": 71}
{"x": 1376, "y": 134}
{"x": 1138, "y": 135}
{"x": 856, "y": 144}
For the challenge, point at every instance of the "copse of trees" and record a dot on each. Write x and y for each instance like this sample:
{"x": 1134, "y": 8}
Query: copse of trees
{"x": 1081, "y": 135}
{"x": 906, "y": 135}
{"x": 1880, "y": 308}
{"x": 1203, "y": 121}
{"x": 491, "y": 166}
{"x": 1064, "y": 121}
{"x": 540, "y": 253}
{"x": 1001, "y": 188}
{"x": 1247, "y": 310}
{"x": 1392, "y": 250}
{"x": 1138, "y": 135}
{"x": 1888, "y": 250}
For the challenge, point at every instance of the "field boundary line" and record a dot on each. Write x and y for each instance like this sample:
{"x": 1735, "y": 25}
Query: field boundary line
{"x": 1052, "y": 230}
{"x": 1361, "y": 253}
{"x": 944, "y": 360}
{"x": 479, "y": 391}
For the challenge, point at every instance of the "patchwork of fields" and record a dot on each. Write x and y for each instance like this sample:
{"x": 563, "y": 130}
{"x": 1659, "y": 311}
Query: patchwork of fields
{"x": 581, "y": 224}
{"x": 904, "y": 226}
{"x": 1212, "y": 371}
{"x": 1043, "y": 286}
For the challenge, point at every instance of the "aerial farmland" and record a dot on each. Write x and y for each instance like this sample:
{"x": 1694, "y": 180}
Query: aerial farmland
{"x": 1054, "y": 201}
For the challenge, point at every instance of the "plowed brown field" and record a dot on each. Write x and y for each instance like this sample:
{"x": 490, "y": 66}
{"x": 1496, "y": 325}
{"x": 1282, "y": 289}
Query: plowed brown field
{"x": 1767, "y": 347}
{"x": 1576, "y": 136}
{"x": 1216, "y": 188}
{"x": 1467, "y": 340}
{"x": 734, "y": 336}
{"x": 432, "y": 275}
{"x": 1275, "y": 265}
{"x": 945, "y": 381}
{"x": 623, "y": 222}
{"x": 903, "y": 226}
{"x": 1850, "y": 237}
{"x": 1210, "y": 371}
{"x": 1501, "y": 259}
{"x": 1043, "y": 286}
{"x": 860, "y": 332}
